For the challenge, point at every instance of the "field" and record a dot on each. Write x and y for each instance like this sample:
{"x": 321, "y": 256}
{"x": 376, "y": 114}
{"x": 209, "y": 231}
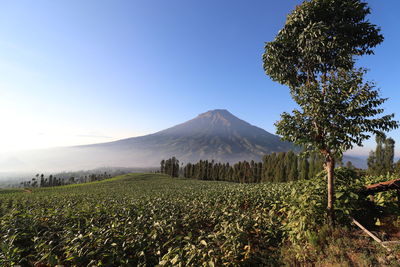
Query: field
{"x": 152, "y": 219}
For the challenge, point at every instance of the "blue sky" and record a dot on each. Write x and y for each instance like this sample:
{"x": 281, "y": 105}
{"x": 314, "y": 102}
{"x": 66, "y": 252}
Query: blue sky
{"x": 77, "y": 72}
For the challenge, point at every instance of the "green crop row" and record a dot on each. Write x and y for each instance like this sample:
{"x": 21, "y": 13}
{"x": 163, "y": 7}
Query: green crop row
{"x": 149, "y": 219}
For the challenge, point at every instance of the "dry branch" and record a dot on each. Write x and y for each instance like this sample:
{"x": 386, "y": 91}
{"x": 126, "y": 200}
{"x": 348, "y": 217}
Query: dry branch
{"x": 381, "y": 187}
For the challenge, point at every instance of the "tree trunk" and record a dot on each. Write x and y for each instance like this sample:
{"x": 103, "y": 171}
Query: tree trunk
{"x": 330, "y": 168}
{"x": 398, "y": 197}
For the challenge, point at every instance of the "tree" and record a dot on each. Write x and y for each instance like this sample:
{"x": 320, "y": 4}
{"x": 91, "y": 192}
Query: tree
{"x": 41, "y": 184}
{"x": 305, "y": 167}
{"x": 314, "y": 55}
{"x": 293, "y": 169}
{"x": 171, "y": 167}
{"x": 51, "y": 183}
{"x": 162, "y": 167}
{"x": 379, "y": 155}
{"x": 259, "y": 171}
{"x": 350, "y": 165}
{"x": 380, "y": 161}
{"x": 371, "y": 161}
{"x": 388, "y": 156}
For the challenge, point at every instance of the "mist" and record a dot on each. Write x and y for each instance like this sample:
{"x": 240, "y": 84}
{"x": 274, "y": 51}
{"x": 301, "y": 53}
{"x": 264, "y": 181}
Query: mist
{"x": 215, "y": 135}
{"x": 73, "y": 159}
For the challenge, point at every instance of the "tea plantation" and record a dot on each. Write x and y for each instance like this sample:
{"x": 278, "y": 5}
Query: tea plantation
{"x": 152, "y": 219}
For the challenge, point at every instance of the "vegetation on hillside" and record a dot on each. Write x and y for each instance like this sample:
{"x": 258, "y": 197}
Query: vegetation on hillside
{"x": 74, "y": 177}
{"x": 42, "y": 181}
{"x": 150, "y": 219}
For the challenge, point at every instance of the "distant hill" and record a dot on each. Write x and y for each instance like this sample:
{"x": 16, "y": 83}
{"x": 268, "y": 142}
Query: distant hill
{"x": 215, "y": 134}
{"x": 358, "y": 161}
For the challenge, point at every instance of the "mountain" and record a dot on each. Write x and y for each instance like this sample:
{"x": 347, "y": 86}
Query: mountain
{"x": 359, "y": 161}
{"x": 216, "y": 134}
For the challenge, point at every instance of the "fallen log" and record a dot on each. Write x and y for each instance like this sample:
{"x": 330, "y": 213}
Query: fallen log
{"x": 383, "y": 244}
{"x": 382, "y": 187}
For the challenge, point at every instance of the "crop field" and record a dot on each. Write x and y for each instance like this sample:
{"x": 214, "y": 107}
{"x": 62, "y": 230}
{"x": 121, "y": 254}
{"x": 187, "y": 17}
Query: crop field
{"x": 152, "y": 219}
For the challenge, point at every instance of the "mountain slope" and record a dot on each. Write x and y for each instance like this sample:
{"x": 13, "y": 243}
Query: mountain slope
{"x": 216, "y": 134}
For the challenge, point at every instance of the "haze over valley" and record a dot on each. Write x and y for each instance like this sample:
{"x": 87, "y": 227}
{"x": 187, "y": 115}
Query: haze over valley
{"x": 213, "y": 135}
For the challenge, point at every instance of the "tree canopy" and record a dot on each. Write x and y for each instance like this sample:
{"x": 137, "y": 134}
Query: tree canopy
{"x": 314, "y": 54}
{"x": 320, "y": 36}
{"x": 334, "y": 118}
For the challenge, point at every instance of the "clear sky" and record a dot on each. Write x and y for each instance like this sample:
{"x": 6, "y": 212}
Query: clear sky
{"x": 77, "y": 72}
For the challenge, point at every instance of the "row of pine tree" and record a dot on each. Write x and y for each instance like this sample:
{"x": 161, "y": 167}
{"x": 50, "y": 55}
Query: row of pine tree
{"x": 275, "y": 167}
{"x": 42, "y": 181}
{"x": 280, "y": 167}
